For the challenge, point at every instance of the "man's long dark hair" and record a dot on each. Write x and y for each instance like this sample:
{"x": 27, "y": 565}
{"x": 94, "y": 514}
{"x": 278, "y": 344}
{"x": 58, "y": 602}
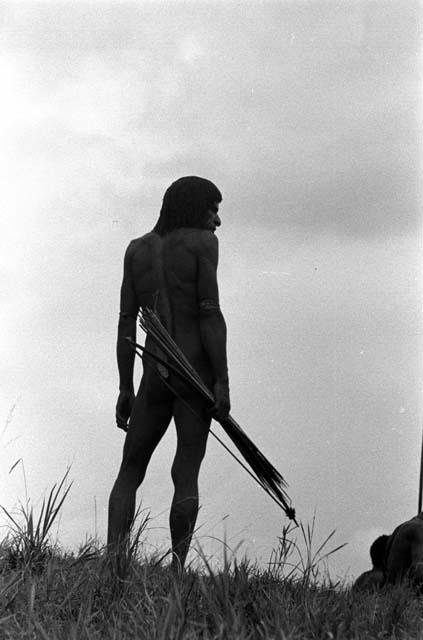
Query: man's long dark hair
{"x": 185, "y": 204}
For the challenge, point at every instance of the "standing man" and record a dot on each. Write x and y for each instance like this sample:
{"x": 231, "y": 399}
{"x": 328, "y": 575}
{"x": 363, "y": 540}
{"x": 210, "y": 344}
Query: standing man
{"x": 173, "y": 270}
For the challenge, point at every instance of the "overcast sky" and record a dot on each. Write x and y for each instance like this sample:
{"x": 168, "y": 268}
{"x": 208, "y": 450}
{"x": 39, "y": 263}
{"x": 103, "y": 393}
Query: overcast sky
{"x": 307, "y": 115}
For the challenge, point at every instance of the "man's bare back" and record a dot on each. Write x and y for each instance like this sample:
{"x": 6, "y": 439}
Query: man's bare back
{"x": 404, "y": 552}
{"x": 172, "y": 275}
{"x": 174, "y": 271}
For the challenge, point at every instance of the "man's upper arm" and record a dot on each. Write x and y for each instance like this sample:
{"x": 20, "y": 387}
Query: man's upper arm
{"x": 207, "y": 287}
{"x": 128, "y": 300}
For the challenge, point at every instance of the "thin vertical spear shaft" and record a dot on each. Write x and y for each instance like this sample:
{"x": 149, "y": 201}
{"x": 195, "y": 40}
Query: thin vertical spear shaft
{"x": 419, "y": 506}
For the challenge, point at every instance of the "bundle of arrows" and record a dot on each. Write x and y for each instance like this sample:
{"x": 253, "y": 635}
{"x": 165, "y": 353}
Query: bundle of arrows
{"x": 173, "y": 360}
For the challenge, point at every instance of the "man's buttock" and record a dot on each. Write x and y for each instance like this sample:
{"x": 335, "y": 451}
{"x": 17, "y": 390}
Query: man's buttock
{"x": 159, "y": 384}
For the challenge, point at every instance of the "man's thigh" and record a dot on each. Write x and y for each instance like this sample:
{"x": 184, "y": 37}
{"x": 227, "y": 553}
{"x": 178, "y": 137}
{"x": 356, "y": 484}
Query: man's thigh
{"x": 151, "y": 415}
{"x": 192, "y": 428}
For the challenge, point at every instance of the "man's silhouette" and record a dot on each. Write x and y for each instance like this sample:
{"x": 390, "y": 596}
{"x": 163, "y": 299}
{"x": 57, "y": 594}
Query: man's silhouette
{"x": 172, "y": 269}
{"x": 396, "y": 557}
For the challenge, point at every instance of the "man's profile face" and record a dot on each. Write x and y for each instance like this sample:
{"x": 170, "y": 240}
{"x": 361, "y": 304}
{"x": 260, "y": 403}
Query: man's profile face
{"x": 212, "y": 218}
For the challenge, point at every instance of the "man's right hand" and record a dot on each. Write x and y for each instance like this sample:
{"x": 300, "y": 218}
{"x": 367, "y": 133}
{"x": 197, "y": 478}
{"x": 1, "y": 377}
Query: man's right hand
{"x": 222, "y": 404}
{"x": 124, "y": 406}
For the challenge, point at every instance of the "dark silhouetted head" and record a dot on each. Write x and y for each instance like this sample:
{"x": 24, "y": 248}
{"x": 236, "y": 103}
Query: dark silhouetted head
{"x": 186, "y": 203}
{"x": 378, "y": 552}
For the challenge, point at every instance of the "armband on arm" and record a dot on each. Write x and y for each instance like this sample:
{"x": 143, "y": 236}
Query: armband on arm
{"x": 125, "y": 315}
{"x": 208, "y": 307}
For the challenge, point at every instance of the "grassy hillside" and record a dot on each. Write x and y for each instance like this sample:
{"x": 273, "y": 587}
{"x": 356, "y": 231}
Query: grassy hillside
{"x": 76, "y": 596}
{"x": 46, "y": 593}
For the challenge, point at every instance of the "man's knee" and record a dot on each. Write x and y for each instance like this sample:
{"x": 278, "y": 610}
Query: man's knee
{"x": 185, "y": 478}
{"x": 131, "y": 472}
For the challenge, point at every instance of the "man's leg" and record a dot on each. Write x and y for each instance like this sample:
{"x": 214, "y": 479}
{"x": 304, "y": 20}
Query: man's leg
{"x": 150, "y": 418}
{"x": 192, "y": 433}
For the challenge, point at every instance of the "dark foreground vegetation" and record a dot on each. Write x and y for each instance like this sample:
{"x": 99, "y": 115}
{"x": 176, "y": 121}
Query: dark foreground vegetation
{"x": 49, "y": 594}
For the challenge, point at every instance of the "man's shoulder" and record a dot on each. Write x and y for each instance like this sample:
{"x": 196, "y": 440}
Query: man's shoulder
{"x": 412, "y": 526}
{"x": 417, "y": 524}
{"x": 415, "y": 520}
{"x": 200, "y": 240}
{"x": 139, "y": 243}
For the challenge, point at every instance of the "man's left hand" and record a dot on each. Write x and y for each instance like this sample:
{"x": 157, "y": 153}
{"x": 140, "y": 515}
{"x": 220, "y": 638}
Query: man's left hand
{"x": 222, "y": 405}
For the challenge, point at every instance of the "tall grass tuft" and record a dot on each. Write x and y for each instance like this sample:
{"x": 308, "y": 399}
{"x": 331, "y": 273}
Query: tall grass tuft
{"x": 29, "y": 543}
{"x": 299, "y": 560}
